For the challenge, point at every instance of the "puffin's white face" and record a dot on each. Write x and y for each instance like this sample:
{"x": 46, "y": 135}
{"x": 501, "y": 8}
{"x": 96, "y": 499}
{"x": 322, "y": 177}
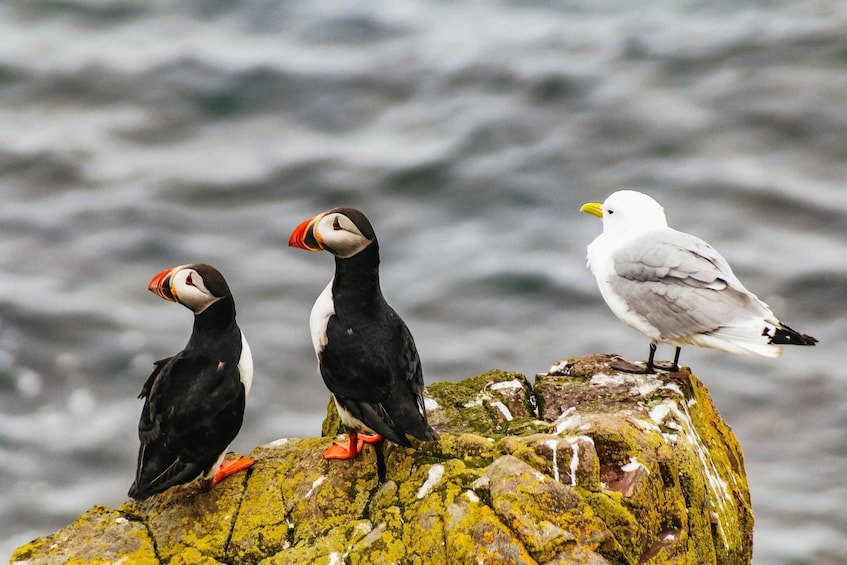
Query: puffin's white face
{"x": 344, "y": 232}
{"x": 628, "y": 210}
{"x": 339, "y": 235}
{"x": 186, "y": 284}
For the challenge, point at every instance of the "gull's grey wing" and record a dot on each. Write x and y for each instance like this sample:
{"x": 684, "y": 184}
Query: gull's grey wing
{"x": 681, "y": 285}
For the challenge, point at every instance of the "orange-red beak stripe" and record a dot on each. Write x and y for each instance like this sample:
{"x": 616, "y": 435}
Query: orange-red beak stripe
{"x": 305, "y": 237}
{"x": 160, "y": 285}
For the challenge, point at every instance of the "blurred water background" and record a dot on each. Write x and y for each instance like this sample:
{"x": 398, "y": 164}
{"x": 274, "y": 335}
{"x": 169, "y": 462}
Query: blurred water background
{"x": 137, "y": 135}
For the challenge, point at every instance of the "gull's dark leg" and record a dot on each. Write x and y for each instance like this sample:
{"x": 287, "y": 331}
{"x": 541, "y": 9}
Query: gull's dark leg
{"x": 650, "y": 359}
{"x": 675, "y": 367}
{"x": 627, "y": 367}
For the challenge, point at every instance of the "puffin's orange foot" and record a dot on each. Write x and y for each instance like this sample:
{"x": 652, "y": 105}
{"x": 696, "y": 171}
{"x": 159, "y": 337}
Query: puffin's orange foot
{"x": 376, "y": 438}
{"x": 231, "y": 467}
{"x": 345, "y": 450}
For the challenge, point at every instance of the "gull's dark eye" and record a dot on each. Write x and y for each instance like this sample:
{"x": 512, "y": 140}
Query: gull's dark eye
{"x": 610, "y": 212}
{"x": 336, "y": 225}
{"x": 188, "y": 280}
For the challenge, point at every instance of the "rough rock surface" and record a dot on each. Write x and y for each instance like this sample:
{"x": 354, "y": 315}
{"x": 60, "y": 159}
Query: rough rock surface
{"x": 587, "y": 466}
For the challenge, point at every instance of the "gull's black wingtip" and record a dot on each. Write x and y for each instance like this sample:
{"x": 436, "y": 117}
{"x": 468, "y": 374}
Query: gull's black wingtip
{"x": 784, "y": 335}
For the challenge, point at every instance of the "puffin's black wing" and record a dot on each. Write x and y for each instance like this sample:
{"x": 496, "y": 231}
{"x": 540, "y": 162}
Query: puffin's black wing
{"x": 380, "y": 385}
{"x": 148, "y": 429}
{"x": 411, "y": 408}
{"x": 193, "y": 410}
{"x": 157, "y": 368}
{"x": 411, "y": 368}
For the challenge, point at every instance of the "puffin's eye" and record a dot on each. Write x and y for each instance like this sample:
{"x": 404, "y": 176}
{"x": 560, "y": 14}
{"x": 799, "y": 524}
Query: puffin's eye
{"x": 188, "y": 280}
{"x": 336, "y": 225}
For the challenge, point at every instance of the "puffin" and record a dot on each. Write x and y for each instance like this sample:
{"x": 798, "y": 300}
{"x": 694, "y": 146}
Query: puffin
{"x": 194, "y": 401}
{"x": 366, "y": 355}
{"x": 674, "y": 287}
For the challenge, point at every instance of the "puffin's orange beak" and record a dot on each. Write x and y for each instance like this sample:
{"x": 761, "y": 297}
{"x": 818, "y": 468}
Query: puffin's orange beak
{"x": 161, "y": 285}
{"x": 305, "y": 237}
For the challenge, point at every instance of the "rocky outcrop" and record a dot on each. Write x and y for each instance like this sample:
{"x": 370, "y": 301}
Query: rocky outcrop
{"x": 589, "y": 466}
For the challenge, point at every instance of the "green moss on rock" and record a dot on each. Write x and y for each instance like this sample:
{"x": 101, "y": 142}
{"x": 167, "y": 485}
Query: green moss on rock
{"x": 490, "y": 405}
{"x": 588, "y": 466}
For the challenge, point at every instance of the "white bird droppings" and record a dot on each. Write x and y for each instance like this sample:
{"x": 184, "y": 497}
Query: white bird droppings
{"x": 633, "y": 465}
{"x": 514, "y": 383}
{"x": 604, "y": 379}
{"x": 315, "y": 484}
{"x": 574, "y": 467}
{"x": 647, "y": 426}
{"x": 554, "y": 447}
{"x": 659, "y": 412}
{"x": 560, "y": 367}
{"x": 481, "y": 483}
{"x": 430, "y": 403}
{"x": 435, "y": 474}
{"x": 574, "y": 462}
{"x": 721, "y": 497}
{"x": 674, "y": 387}
{"x": 569, "y": 420}
{"x": 503, "y": 410}
{"x": 277, "y": 442}
{"x": 648, "y": 388}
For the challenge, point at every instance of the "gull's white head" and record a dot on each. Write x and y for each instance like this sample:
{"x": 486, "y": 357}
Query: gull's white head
{"x": 628, "y": 211}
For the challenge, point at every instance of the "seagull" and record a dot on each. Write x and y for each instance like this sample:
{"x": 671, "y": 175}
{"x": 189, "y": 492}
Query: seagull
{"x": 674, "y": 287}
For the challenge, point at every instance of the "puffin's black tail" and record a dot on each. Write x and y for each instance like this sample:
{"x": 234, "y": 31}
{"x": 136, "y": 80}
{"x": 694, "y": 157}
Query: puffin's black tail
{"x": 783, "y": 335}
{"x": 151, "y": 480}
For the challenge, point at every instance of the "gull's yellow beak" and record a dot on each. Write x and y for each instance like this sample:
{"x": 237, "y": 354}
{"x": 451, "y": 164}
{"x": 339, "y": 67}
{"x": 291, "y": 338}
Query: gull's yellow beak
{"x": 593, "y": 208}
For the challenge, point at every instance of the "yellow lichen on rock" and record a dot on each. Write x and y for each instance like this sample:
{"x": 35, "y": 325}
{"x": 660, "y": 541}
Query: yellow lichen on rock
{"x": 100, "y": 536}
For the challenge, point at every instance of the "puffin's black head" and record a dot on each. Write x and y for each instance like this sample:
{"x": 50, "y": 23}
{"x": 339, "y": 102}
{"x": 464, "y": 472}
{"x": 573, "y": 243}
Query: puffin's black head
{"x": 344, "y": 232}
{"x": 195, "y": 286}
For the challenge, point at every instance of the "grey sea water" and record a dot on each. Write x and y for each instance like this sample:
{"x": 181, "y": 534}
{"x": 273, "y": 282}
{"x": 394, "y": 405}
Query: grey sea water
{"x": 137, "y": 135}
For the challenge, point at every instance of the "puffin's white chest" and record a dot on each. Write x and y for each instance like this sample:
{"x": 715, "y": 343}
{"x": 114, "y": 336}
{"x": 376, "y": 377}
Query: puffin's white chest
{"x": 245, "y": 365}
{"x": 322, "y": 311}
